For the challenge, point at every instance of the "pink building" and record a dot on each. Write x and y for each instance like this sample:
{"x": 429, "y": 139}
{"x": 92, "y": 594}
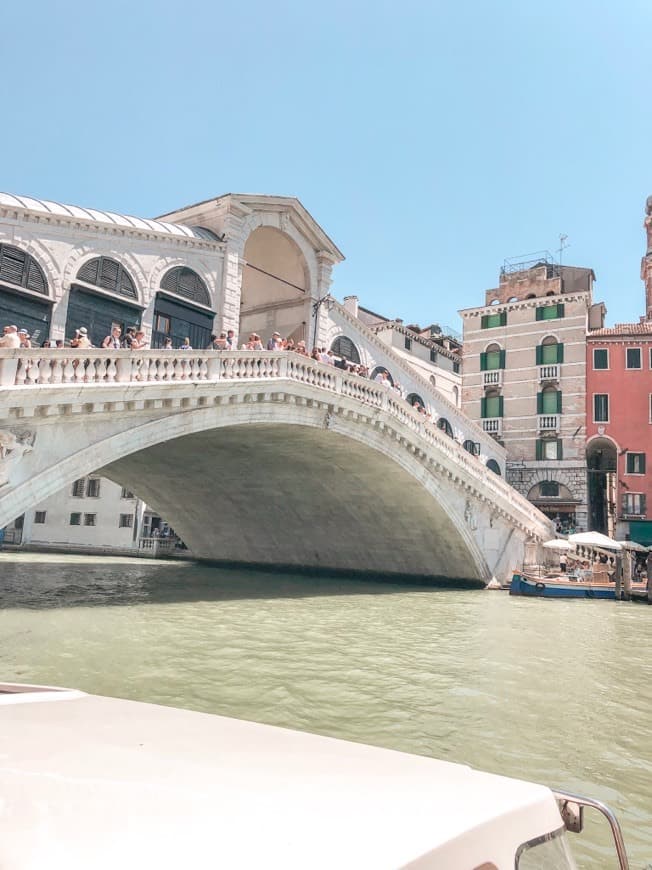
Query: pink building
{"x": 619, "y": 420}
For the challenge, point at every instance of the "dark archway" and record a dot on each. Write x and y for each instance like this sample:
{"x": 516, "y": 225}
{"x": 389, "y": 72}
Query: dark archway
{"x": 182, "y": 310}
{"x": 445, "y": 426}
{"x": 601, "y": 462}
{"x": 378, "y": 371}
{"x": 492, "y": 465}
{"x": 415, "y": 399}
{"x": 345, "y": 348}
{"x": 472, "y": 447}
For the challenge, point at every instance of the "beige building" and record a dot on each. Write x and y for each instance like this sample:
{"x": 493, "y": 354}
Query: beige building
{"x": 524, "y": 379}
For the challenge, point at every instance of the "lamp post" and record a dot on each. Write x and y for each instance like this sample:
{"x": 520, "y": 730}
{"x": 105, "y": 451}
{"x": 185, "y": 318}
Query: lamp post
{"x": 328, "y": 301}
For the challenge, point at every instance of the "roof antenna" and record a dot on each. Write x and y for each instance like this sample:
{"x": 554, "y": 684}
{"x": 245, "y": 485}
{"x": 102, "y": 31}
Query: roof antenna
{"x": 562, "y": 246}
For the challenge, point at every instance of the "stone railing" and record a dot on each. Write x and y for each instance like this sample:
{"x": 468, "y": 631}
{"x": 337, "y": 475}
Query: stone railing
{"x": 95, "y": 369}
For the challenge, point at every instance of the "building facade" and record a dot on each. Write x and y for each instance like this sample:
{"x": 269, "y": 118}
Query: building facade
{"x": 524, "y": 380}
{"x": 619, "y": 420}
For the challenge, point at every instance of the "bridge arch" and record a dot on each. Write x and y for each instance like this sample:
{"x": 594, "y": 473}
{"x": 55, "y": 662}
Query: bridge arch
{"x": 272, "y": 459}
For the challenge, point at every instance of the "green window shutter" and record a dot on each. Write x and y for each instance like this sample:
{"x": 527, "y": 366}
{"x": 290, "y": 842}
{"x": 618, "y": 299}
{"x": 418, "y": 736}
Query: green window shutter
{"x": 484, "y": 321}
{"x": 539, "y": 403}
{"x": 539, "y": 351}
{"x": 539, "y": 313}
{"x": 560, "y": 309}
{"x": 501, "y": 364}
{"x": 642, "y": 460}
{"x": 503, "y": 318}
{"x": 483, "y": 407}
{"x": 559, "y": 401}
{"x": 500, "y": 407}
{"x": 560, "y": 451}
{"x": 560, "y": 353}
{"x": 539, "y": 453}
{"x": 483, "y": 362}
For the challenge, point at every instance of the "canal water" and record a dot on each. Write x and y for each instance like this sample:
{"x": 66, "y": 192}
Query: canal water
{"x": 554, "y": 691}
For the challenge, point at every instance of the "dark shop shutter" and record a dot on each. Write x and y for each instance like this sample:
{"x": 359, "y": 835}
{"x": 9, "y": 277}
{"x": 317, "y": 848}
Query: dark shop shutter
{"x": 98, "y": 314}
{"x": 27, "y": 313}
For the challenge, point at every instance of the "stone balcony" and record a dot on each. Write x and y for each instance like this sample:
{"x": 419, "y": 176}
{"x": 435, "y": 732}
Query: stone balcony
{"x": 549, "y": 373}
{"x": 548, "y": 422}
{"x": 492, "y": 379}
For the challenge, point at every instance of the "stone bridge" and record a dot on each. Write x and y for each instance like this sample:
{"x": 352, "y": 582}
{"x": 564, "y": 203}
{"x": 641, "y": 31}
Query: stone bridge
{"x": 263, "y": 458}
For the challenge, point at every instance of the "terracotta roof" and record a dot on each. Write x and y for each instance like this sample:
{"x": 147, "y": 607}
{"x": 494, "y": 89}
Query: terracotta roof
{"x": 623, "y": 329}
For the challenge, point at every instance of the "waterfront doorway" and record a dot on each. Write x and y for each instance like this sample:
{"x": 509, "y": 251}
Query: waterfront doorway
{"x": 601, "y": 462}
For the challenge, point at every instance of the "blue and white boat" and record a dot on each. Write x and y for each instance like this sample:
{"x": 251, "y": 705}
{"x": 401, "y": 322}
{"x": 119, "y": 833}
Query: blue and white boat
{"x": 559, "y": 587}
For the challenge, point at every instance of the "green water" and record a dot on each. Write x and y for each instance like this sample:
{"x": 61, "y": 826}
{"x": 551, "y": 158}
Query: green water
{"x": 554, "y": 691}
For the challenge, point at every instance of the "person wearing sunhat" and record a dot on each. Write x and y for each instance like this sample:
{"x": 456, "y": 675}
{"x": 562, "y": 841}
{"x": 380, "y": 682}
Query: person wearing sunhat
{"x": 275, "y": 342}
{"x": 24, "y": 337}
{"x": 81, "y": 338}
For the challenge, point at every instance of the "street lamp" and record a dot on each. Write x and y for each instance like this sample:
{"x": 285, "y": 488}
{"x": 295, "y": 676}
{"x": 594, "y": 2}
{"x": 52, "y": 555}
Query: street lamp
{"x": 325, "y": 300}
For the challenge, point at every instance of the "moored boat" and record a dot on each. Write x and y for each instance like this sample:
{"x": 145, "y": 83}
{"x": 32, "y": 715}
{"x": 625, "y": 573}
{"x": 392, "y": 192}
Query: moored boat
{"x": 559, "y": 587}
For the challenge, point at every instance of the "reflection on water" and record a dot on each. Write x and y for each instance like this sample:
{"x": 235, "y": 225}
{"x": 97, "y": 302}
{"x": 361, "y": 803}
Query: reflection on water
{"x": 554, "y": 691}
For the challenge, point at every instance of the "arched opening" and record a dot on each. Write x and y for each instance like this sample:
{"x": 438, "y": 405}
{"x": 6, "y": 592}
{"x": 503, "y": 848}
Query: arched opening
{"x": 433, "y": 380}
{"x": 445, "y": 426}
{"x": 415, "y": 400}
{"x": 601, "y": 461}
{"x": 557, "y": 502}
{"x": 24, "y": 296}
{"x": 377, "y": 375}
{"x": 492, "y": 465}
{"x": 346, "y": 349}
{"x": 493, "y": 358}
{"x": 182, "y": 310}
{"x": 472, "y": 447}
{"x": 275, "y": 287}
{"x": 549, "y": 400}
{"x": 103, "y": 295}
{"x": 456, "y": 397}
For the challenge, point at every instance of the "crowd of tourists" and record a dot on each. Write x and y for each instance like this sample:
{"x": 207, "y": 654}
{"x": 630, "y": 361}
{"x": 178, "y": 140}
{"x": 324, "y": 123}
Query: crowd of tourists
{"x": 134, "y": 339}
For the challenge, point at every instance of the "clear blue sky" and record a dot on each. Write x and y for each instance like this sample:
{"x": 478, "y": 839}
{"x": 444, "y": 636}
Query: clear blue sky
{"x": 430, "y": 139}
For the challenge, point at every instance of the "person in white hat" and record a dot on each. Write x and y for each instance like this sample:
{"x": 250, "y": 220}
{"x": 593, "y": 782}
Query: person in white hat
{"x": 275, "y": 342}
{"x": 81, "y": 338}
{"x": 24, "y": 337}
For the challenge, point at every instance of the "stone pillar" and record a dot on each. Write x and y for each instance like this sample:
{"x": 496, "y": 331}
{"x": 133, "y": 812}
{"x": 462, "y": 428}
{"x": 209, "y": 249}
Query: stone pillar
{"x": 324, "y": 280}
{"x": 627, "y": 574}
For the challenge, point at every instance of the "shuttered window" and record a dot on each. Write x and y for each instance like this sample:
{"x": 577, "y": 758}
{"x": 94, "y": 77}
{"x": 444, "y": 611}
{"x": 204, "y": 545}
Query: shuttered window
{"x": 489, "y": 321}
{"x": 549, "y": 448}
{"x": 492, "y": 406}
{"x": 491, "y": 360}
{"x": 636, "y": 463}
{"x": 21, "y": 270}
{"x": 549, "y": 402}
{"x": 634, "y": 504}
{"x": 550, "y": 312}
{"x": 109, "y": 275}
{"x": 549, "y": 354}
{"x": 185, "y": 282}
{"x": 472, "y": 447}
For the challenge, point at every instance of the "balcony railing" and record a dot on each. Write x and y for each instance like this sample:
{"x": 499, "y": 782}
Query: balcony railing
{"x": 493, "y": 378}
{"x": 548, "y": 422}
{"x": 493, "y": 426}
{"x": 549, "y": 372}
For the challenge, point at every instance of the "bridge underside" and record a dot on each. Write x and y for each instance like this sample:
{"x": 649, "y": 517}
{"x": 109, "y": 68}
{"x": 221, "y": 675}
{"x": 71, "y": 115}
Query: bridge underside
{"x": 276, "y": 494}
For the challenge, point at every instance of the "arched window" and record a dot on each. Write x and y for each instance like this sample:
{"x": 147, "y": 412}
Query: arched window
{"x": 344, "y": 347}
{"x": 445, "y": 426}
{"x": 21, "y": 270}
{"x": 492, "y": 465}
{"x": 472, "y": 447}
{"x": 550, "y": 352}
{"x": 549, "y": 401}
{"x": 185, "y": 282}
{"x": 109, "y": 275}
{"x": 379, "y": 370}
{"x": 456, "y": 396}
{"x": 493, "y": 358}
{"x": 415, "y": 399}
{"x": 433, "y": 380}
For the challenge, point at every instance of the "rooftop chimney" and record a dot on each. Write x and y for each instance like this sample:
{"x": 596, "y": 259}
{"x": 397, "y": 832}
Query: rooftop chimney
{"x": 351, "y": 305}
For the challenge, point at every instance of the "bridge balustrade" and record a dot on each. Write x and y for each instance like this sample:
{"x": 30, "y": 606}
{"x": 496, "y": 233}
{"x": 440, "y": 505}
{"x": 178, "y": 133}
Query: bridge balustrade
{"x": 96, "y": 368}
